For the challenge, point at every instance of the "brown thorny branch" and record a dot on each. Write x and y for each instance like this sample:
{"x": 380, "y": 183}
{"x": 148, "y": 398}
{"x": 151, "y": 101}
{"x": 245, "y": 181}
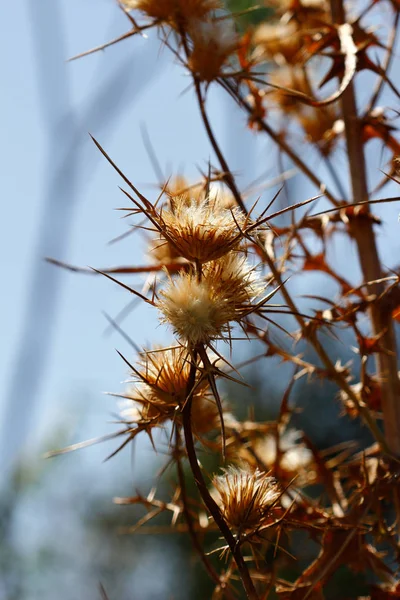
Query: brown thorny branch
{"x": 362, "y": 231}
{"x": 308, "y": 333}
{"x": 363, "y": 234}
{"x": 366, "y": 479}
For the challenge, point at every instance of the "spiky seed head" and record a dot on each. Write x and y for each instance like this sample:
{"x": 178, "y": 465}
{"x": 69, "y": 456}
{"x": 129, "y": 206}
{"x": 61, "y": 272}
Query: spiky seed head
{"x": 317, "y": 122}
{"x": 201, "y": 229}
{"x": 174, "y": 12}
{"x": 160, "y": 383}
{"x": 245, "y": 498}
{"x": 235, "y": 278}
{"x": 191, "y": 212}
{"x": 200, "y": 310}
{"x": 180, "y": 190}
{"x": 213, "y": 43}
{"x": 159, "y": 392}
{"x": 205, "y": 415}
{"x": 195, "y": 311}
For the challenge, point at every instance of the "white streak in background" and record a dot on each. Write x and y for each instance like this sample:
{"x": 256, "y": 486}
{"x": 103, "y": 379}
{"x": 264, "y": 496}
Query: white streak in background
{"x": 67, "y": 169}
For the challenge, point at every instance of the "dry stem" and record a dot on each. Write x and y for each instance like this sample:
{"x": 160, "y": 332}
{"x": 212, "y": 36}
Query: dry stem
{"x": 189, "y": 521}
{"x": 205, "y": 494}
{"x": 308, "y": 334}
{"x": 363, "y": 234}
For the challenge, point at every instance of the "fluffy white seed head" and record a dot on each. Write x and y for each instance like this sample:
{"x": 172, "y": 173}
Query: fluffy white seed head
{"x": 244, "y": 497}
{"x": 201, "y": 310}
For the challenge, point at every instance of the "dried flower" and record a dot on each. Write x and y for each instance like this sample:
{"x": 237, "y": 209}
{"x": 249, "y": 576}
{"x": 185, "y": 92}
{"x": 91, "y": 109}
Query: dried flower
{"x": 198, "y": 221}
{"x": 161, "y": 380}
{"x": 173, "y": 11}
{"x": 160, "y": 388}
{"x": 213, "y": 43}
{"x": 200, "y": 230}
{"x": 317, "y": 123}
{"x": 245, "y": 498}
{"x": 201, "y": 310}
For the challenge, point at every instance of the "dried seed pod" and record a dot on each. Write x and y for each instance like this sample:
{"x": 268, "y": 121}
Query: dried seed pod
{"x": 160, "y": 389}
{"x": 200, "y": 310}
{"x": 319, "y": 126}
{"x": 291, "y": 78}
{"x": 200, "y": 230}
{"x": 245, "y": 498}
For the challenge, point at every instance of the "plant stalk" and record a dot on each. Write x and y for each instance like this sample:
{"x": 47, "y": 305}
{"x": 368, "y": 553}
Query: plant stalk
{"x": 189, "y": 521}
{"x": 312, "y": 337}
{"x": 205, "y": 494}
{"x": 361, "y": 230}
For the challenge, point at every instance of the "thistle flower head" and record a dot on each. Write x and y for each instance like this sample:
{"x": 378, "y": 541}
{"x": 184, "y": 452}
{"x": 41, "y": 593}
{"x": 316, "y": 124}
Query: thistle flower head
{"x": 196, "y": 312}
{"x": 173, "y": 11}
{"x": 201, "y": 310}
{"x": 200, "y": 229}
{"x": 160, "y": 387}
{"x": 213, "y": 43}
{"x": 199, "y": 222}
{"x": 245, "y": 498}
{"x": 181, "y": 191}
{"x": 160, "y": 392}
{"x": 317, "y": 123}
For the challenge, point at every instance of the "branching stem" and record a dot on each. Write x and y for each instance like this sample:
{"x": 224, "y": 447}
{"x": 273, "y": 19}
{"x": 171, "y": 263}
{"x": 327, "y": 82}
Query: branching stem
{"x": 210, "y": 503}
{"x": 363, "y": 234}
{"x": 308, "y": 334}
{"x": 189, "y": 521}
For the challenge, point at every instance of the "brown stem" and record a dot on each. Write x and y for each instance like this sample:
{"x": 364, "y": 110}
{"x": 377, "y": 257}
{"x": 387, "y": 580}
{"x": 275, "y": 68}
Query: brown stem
{"x": 205, "y": 494}
{"x": 189, "y": 521}
{"x": 311, "y": 336}
{"x": 227, "y": 174}
{"x": 363, "y": 234}
{"x": 336, "y": 375}
{"x": 282, "y": 144}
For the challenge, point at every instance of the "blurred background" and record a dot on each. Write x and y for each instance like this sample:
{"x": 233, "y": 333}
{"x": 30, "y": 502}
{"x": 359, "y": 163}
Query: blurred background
{"x": 59, "y": 527}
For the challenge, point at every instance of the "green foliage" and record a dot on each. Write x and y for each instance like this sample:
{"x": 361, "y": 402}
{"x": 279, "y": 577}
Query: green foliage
{"x": 255, "y": 13}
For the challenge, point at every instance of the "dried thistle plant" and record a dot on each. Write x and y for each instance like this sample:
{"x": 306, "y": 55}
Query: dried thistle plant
{"x": 224, "y": 260}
